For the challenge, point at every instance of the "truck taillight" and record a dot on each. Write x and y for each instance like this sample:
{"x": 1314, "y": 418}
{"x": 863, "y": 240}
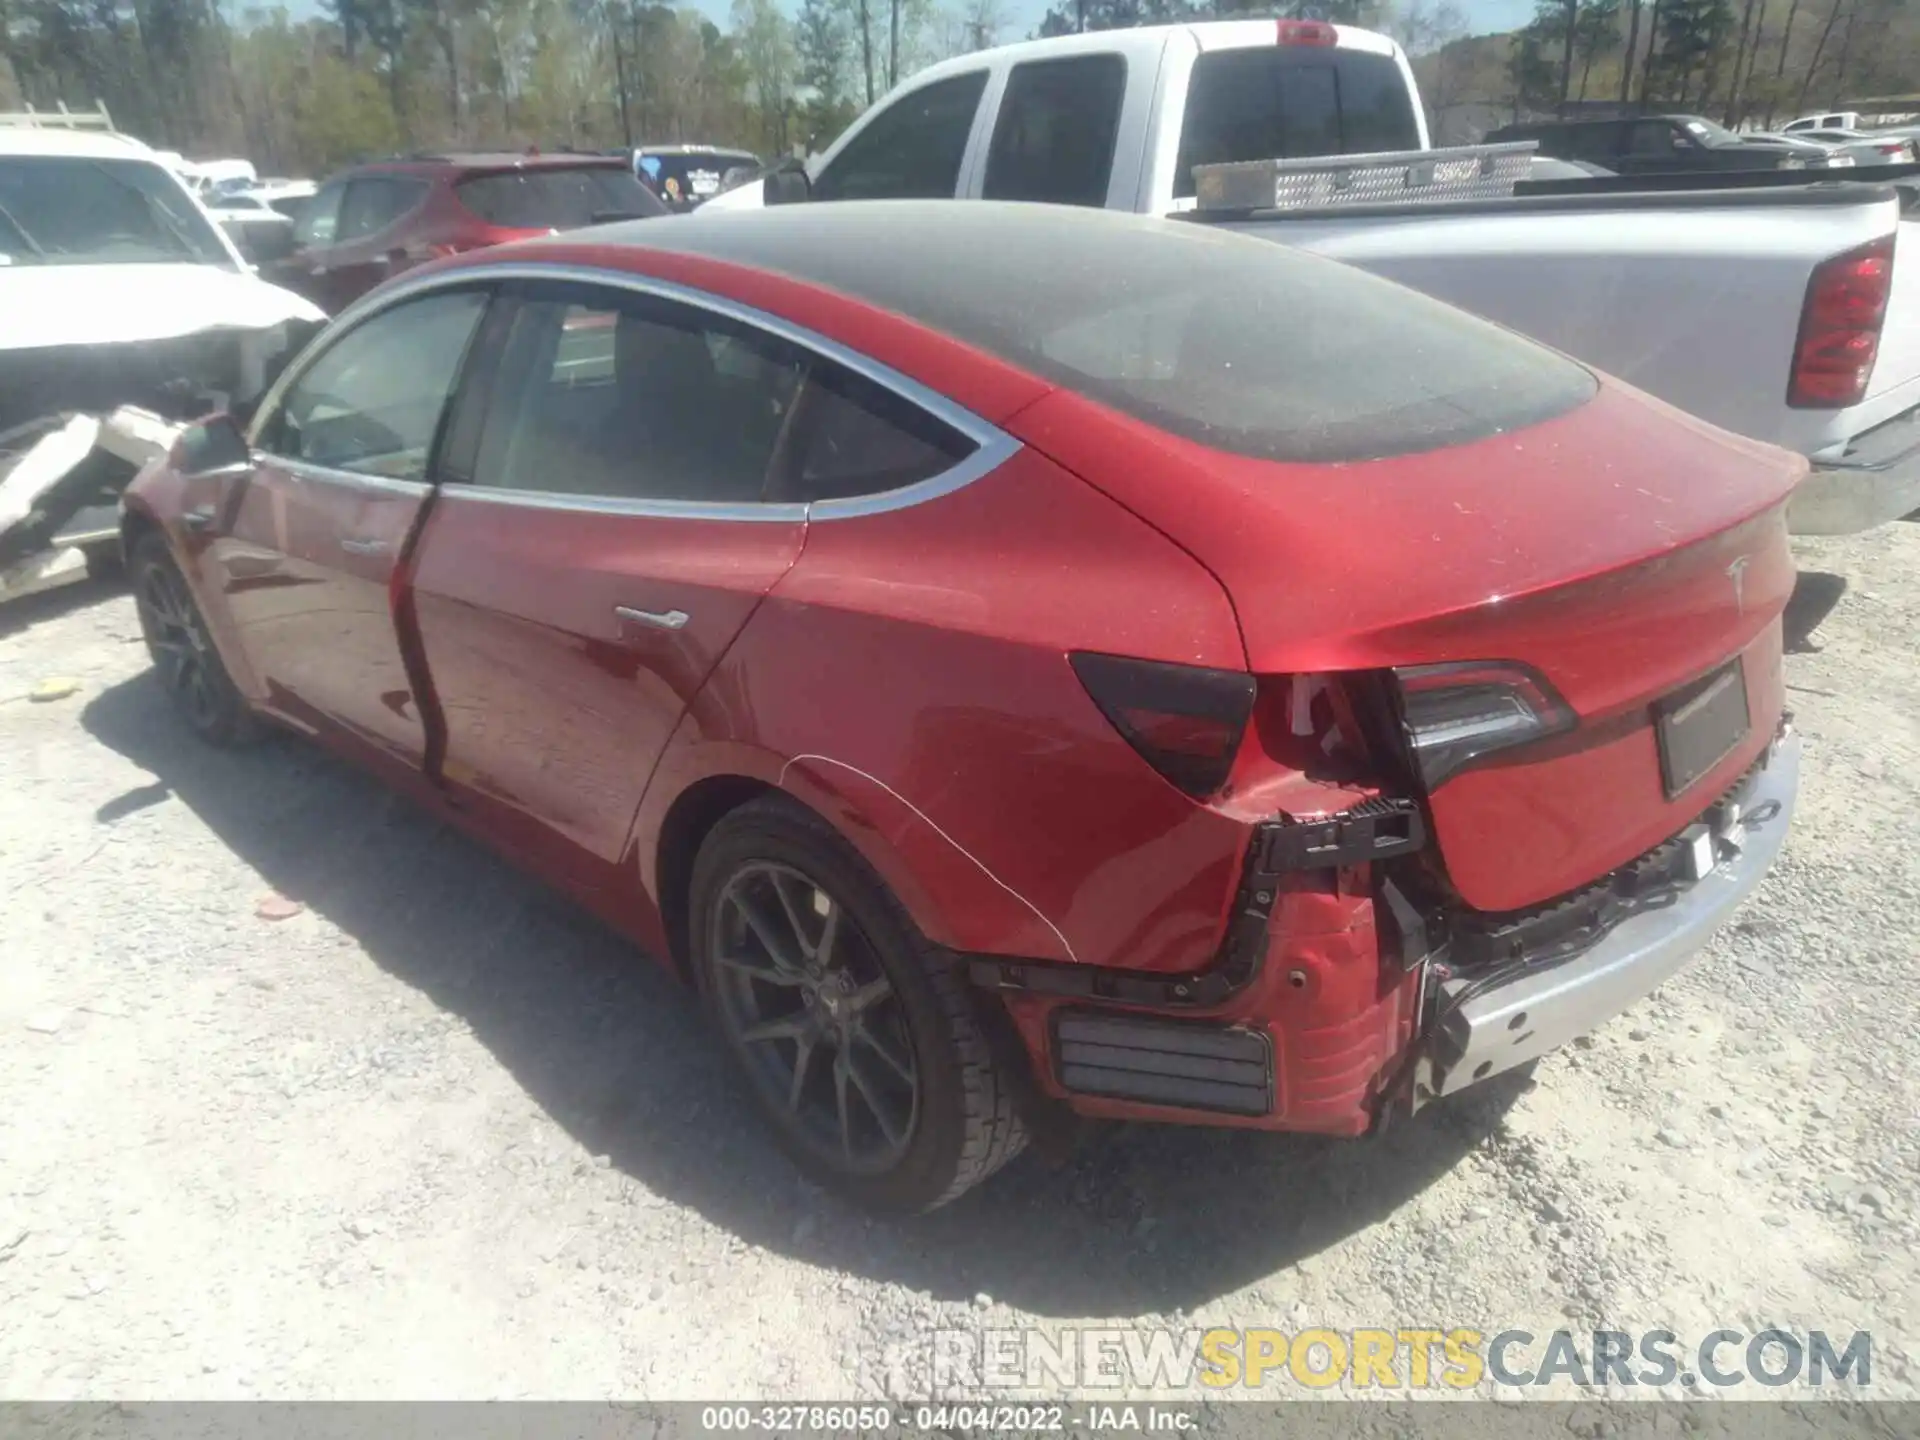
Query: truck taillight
{"x": 1457, "y": 714}
{"x": 1840, "y": 324}
{"x": 1306, "y": 32}
{"x": 1185, "y": 721}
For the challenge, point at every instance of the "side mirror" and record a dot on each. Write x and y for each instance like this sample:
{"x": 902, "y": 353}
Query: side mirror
{"x": 210, "y": 445}
{"x": 788, "y": 187}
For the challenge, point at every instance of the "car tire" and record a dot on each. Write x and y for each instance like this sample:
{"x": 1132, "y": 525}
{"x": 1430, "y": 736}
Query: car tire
{"x": 961, "y": 1122}
{"x": 183, "y": 652}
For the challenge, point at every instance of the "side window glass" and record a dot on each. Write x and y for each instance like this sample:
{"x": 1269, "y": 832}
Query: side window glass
{"x": 1054, "y": 138}
{"x": 363, "y": 203}
{"x": 858, "y": 438}
{"x": 375, "y": 203}
{"x": 626, "y": 396}
{"x": 1653, "y": 138}
{"x": 371, "y": 402}
{"x": 910, "y": 151}
{"x": 320, "y": 220}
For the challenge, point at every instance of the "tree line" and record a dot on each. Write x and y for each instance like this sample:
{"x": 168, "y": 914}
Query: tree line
{"x": 375, "y": 77}
{"x": 1738, "y": 61}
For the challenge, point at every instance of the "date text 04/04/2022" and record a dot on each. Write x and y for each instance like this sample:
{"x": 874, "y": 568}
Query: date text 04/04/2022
{"x": 1012, "y": 1419}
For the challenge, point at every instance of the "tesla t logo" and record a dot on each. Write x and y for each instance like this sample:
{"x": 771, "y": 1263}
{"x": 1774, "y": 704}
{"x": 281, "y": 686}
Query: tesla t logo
{"x": 1737, "y": 573}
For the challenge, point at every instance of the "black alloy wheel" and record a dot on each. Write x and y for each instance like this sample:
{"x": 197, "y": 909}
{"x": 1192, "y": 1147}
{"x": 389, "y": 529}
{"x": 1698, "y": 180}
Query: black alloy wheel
{"x": 182, "y": 650}
{"x": 803, "y": 994}
{"x": 859, "y": 1039}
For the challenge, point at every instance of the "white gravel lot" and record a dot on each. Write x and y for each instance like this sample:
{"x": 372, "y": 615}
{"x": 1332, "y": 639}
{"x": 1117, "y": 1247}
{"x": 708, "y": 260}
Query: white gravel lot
{"x": 439, "y": 1136}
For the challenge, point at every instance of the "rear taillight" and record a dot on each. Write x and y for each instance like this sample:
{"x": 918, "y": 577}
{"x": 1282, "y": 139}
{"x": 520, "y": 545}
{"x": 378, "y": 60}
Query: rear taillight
{"x": 1456, "y": 715}
{"x": 1186, "y": 722}
{"x": 1840, "y": 324}
{"x": 1891, "y": 149}
{"x": 1306, "y": 32}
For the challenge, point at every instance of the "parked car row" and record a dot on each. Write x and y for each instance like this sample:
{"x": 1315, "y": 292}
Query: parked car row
{"x": 1666, "y": 144}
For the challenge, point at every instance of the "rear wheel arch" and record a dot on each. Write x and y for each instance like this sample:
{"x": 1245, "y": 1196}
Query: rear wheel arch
{"x": 688, "y": 822}
{"x": 705, "y": 802}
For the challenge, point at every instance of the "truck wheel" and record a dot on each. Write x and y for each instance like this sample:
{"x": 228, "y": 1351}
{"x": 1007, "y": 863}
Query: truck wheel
{"x": 855, "y": 1033}
{"x": 183, "y": 653}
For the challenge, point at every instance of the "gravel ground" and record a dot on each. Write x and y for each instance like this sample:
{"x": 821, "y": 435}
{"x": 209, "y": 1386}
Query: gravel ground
{"x": 437, "y": 1135}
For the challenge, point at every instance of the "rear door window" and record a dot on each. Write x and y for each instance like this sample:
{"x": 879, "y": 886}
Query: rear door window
{"x": 911, "y": 150}
{"x": 557, "y": 199}
{"x": 1053, "y": 141}
{"x": 612, "y": 394}
{"x": 1284, "y": 103}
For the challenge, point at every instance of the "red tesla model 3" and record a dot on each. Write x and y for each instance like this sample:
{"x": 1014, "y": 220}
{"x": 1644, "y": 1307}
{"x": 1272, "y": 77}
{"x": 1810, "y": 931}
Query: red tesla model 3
{"x": 1012, "y": 657}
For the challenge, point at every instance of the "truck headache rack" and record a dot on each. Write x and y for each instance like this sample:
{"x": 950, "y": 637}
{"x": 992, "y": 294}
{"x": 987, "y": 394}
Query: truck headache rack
{"x": 60, "y": 119}
{"x": 1463, "y": 172}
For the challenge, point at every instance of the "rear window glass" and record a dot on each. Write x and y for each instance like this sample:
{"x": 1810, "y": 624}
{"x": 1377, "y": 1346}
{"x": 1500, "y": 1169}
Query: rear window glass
{"x": 556, "y": 199}
{"x": 1280, "y": 104}
{"x": 1231, "y": 341}
{"x": 697, "y": 175}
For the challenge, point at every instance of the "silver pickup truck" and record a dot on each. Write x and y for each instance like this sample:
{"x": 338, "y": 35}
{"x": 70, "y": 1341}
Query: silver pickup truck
{"x": 1776, "y": 310}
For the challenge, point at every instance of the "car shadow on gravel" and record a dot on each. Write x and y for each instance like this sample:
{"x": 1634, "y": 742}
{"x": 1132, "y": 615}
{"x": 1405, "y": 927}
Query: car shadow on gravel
{"x": 27, "y": 611}
{"x": 1816, "y": 595}
{"x": 1137, "y": 1220}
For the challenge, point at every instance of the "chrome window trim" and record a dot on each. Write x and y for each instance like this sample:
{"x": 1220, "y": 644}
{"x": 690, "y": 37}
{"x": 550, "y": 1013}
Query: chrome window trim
{"x": 353, "y": 479}
{"x": 618, "y": 505}
{"x": 993, "y": 446}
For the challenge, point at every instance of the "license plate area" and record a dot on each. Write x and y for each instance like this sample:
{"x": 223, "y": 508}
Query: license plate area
{"x": 1699, "y": 726}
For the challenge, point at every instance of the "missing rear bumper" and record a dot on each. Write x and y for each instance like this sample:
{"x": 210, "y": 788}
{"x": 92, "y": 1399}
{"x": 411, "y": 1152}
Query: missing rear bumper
{"x": 1488, "y": 1023}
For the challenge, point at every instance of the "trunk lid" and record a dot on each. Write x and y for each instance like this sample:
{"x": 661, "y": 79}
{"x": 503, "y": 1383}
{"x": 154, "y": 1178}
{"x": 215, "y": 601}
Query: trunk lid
{"x": 1621, "y": 550}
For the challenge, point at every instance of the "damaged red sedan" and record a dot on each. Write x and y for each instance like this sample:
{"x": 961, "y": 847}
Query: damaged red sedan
{"x": 1013, "y": 657}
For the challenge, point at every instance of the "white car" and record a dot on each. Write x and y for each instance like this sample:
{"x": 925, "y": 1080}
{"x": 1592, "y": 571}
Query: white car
{"x": 118, "y": 289}
{"x": 1831, "y": 120}
{"x": 1865, "y": 147}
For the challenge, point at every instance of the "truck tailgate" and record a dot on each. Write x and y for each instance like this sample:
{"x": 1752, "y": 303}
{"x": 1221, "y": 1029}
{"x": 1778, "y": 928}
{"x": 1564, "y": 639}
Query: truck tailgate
{"x": 1895, "y": 386}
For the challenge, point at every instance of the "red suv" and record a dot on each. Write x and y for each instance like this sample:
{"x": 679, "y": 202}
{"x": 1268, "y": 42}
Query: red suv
{"x": 379, "y": 219}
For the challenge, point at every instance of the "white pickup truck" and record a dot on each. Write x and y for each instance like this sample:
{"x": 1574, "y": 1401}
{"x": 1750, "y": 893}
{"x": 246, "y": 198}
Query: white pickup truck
{"x": 1776, "y": 311}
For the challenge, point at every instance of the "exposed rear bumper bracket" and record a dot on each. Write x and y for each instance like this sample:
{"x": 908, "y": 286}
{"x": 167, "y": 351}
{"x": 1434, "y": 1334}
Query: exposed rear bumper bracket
{"x": 1486, "y": 1023}
{"x": 1372, "y": 830}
